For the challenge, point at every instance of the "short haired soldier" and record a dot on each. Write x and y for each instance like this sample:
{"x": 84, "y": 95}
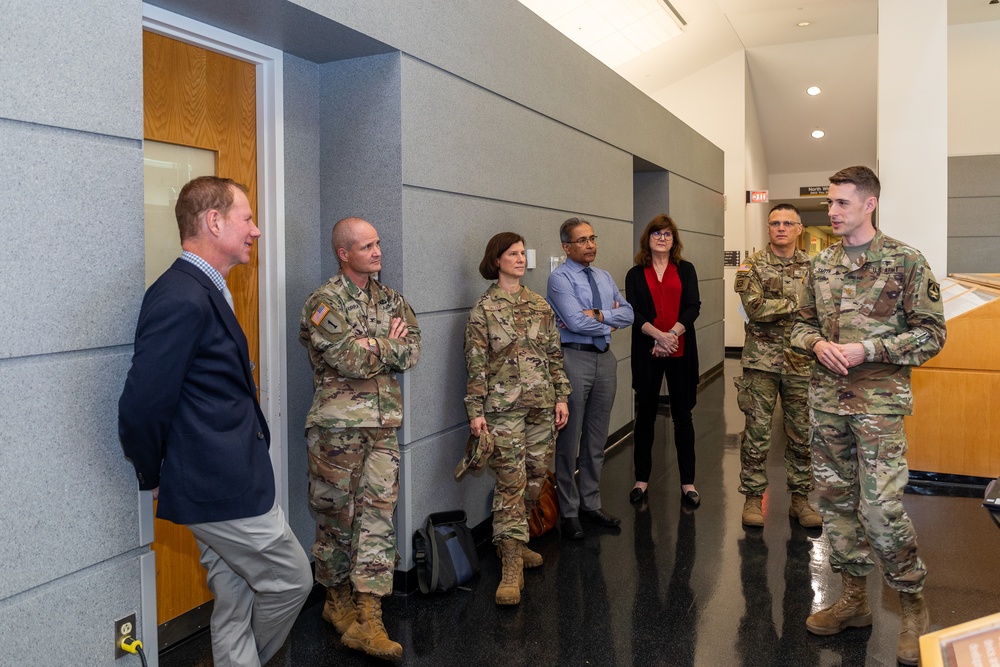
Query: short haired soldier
{"x": 359, "y": 333}
{"x": 872, "y": 310}
{"x": 770, "y": 284}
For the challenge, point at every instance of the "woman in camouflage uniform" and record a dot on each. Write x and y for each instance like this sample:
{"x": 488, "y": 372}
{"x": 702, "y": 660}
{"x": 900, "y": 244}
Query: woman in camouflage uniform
{"x": 517, "y": 392}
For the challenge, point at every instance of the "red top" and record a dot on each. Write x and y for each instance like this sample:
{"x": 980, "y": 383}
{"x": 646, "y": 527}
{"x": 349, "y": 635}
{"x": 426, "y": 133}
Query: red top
{"x": 666, "y": 300}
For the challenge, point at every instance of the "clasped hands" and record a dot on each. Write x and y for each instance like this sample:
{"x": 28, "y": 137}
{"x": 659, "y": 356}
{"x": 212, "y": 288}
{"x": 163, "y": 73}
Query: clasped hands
{"x": 665, "y": 344}
{"x": 838, "y": 358}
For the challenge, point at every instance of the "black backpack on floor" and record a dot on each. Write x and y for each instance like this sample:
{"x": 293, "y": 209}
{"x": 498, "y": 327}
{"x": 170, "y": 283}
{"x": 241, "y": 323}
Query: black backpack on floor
{"x": 445, "y": 553}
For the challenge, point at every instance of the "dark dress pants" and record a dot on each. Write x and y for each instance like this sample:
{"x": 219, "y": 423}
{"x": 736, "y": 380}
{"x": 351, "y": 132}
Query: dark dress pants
{"x": 683, "y": 396}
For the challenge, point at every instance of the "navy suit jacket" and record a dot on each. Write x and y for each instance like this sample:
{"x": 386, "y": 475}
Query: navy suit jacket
{"x": 188, "y": 418}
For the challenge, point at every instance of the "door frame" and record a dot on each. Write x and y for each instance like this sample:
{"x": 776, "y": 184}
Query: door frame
{"x": 270, "y": 211}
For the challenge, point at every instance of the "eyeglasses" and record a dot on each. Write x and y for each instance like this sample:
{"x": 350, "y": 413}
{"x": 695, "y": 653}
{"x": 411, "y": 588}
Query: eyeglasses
{"x": 774, "y": 224}
{"x": 662, "y": 234}
{"x": 584, "y": 240}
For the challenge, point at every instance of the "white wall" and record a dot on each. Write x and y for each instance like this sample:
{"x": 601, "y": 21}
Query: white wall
{"x": 974, "y": 89}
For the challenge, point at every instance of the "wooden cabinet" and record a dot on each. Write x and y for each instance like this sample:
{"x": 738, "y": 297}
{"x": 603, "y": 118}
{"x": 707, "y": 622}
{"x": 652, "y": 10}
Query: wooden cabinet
{"x": 955, "y": 426}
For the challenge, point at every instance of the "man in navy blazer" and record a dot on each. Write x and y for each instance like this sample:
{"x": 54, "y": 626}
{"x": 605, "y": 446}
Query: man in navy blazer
{"x": 190, "y": 423}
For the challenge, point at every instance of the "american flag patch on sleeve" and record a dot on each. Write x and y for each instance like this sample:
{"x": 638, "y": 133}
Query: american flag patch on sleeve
{"x": 321, "y": 311}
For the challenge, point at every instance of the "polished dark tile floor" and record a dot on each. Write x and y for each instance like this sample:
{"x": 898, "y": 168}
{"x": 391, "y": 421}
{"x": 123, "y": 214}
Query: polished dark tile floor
{"x": 674, "y": 587}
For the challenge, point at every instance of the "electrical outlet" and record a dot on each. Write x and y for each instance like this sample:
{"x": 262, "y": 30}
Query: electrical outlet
{"x": 124, "y": 627}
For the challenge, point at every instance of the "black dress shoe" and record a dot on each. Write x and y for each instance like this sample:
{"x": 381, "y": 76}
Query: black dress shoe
{"x": 691, "y": 498}
{"x": 601, "y": 519}
{"x": 571, "y": 528}
{"x": 637, "y": 495}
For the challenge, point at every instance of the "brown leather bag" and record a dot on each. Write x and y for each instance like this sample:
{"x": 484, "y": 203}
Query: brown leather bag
{"x": 545, "y": 514}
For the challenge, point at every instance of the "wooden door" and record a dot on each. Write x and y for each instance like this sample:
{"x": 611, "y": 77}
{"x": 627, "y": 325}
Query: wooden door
{"x": 202, "y": 99}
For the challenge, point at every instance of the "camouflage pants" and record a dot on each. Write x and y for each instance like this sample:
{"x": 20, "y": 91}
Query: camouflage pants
{"x": 757, "y": 395}
{"x": 860, "y": 466}
{"x": 353, "y": 485}
{"x": 524, "y": 443}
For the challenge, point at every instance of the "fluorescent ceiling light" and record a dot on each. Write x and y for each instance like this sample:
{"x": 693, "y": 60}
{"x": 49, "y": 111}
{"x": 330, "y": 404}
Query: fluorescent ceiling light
{"x": 818, "y": 134}
{"x": 813, "y": 90}
{"x": 613, "y": 31}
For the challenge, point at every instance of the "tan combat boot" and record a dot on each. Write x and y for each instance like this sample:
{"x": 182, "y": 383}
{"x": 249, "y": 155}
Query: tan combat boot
{"x": 339, "y": 608}
{"x": 367, "y": 633}
{"x": 803, "y": 511}
{"x": 849, "y": 611}
{"x": 753, "y": 515}
{"x": 512, "y": 576}
{"x": 530, "y": 558}
{"x": 913, "y": 623}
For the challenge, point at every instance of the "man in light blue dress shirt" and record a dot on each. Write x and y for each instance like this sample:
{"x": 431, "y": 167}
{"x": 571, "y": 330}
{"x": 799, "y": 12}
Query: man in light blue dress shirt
{"x": 589, "y": 306}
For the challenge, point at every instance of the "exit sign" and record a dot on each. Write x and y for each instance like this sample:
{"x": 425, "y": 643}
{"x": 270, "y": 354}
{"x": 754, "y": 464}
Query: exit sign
{"x": 757, "y": 196}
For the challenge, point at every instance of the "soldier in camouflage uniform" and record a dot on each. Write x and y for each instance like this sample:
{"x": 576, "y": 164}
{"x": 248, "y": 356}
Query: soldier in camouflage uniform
{"x": 517, "y": 390}
{"x": 359, "y": 333}
{"x": 770, "y": 284}
{"x": 872, "y": 310}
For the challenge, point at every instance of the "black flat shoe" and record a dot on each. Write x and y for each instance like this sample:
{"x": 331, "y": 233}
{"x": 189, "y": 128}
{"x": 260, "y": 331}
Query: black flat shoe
{"x": 601, "y": 519}
{"x": 571, "y": 528}
{"x": 691, "y": 498}
{"x": 637, "y": 495}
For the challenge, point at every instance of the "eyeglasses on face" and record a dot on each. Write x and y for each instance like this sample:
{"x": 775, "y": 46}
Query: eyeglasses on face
{"x": 774, "y": 224}
{"x": 661, "y": 234}
{"x": 584, "y": 240}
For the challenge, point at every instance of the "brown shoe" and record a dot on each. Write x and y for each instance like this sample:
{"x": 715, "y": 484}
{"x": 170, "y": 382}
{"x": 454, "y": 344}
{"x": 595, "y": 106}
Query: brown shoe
{"x": 367, "y": 633}
{"x": 531, "y": 559}
{"x": 753, "y": 515}
{"x": 512, "y": 575}
{"x": 849, "y": 611}
{"x": 804, "y": 512}
{"x": 913, "y": 623}
{"x": 339, "y": 608}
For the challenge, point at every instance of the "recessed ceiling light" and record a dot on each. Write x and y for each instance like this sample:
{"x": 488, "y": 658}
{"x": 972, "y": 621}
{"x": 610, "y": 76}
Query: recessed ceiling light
{"x": 813, "y": 90}
{"x": 802, "y": 24}
{"x": 818, "y": 134}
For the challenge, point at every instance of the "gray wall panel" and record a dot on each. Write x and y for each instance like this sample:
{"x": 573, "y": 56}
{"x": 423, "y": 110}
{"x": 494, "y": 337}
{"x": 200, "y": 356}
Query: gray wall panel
{"x": 712, "y": 302}
{"x": 73, "y": 276}
{"x": 361, "y": 153}
{"x": 711, "y": 350}
{"x": 65, "y": 486}
{"x": 973, "y": 176}
{"x": 76, "y": 65}
{"x": 974, "y": 216}
{"x": 461, "y": 138}
{"x": 972, "y": 255}
{"x": 437, "y": 383}
{"x": 451, "y": 232}
{"x": 304, "y": 248}
{"x": 70, "y": 621}
{"x": 695, "y": 207}
{"x": 705, "y": 252}
{"x": 622, "y": 412}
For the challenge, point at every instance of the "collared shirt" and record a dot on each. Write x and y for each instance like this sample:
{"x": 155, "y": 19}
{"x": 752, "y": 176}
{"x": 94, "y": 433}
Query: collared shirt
{"x": 209, "y": 270}
{"x": 569, "y": 294}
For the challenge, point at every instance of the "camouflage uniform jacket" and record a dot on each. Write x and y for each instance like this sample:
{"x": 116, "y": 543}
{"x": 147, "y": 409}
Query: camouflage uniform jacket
{"x": 355, "y": 387}
{"x": 513, "y": 354}
{"x": 891, "y": 304}
{"x": 771, "y": 290}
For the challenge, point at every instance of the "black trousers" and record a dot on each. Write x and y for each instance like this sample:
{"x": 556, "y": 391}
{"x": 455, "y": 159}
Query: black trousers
{"x": 683, "y": 396}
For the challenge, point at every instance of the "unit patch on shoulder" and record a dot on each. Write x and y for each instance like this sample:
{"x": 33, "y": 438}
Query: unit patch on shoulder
{"x": 933, "y": 291}
{"x": 321, "y": 311}
{"x": 742, "y": 282}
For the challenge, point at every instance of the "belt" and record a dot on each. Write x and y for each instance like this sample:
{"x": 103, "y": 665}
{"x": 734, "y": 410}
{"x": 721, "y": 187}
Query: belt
{"x": 586, "y": 347}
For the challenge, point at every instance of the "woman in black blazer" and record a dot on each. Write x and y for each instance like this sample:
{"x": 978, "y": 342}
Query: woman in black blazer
{"x": 663, "y": 343}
